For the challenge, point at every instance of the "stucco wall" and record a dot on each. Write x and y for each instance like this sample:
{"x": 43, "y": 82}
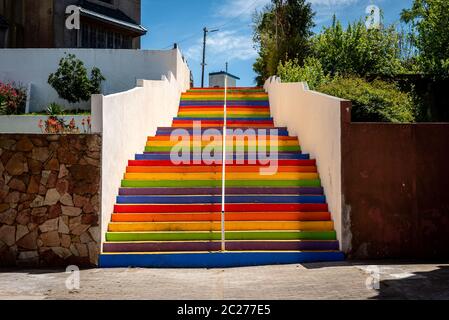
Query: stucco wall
{"x": 29, "y": 124}
{"x": 316, "y": 119}
{"x": 121, "y": 69}
{"x": 128, "y": 118}
{"x": 219, "y": 81}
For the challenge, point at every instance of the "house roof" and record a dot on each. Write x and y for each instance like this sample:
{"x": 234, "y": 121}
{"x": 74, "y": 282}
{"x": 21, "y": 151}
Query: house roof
{"x": 110, "y": 15}
{"x": 3, "y": 23}
{"x": 224, "y": 73}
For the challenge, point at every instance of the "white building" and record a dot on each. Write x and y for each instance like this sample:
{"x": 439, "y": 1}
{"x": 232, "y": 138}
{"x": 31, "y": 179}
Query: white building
{"x": 217, "y": 79}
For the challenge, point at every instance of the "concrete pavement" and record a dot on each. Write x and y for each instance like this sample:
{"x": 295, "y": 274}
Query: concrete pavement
{"x": 347, "y": 280}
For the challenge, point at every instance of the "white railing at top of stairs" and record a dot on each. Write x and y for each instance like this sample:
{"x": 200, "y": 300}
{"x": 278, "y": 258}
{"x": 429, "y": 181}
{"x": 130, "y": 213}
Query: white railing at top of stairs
{"x": 223, "y": 177}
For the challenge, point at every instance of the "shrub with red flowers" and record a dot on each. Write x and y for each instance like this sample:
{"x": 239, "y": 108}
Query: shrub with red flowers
{"x": 12, "y": 99}
{"x": 57, "y": 125}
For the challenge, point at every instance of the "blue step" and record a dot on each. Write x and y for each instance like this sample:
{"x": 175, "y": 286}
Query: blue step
{"x": 217, "y": 199}
{"x": 215, "y": 260}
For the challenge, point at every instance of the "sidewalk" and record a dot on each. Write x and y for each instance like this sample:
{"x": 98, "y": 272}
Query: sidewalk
{"x": 347, "y": 280}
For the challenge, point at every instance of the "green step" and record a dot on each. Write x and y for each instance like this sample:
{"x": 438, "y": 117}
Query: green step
{"x": 217, "y": 183}
{"x": 231, "y": 235}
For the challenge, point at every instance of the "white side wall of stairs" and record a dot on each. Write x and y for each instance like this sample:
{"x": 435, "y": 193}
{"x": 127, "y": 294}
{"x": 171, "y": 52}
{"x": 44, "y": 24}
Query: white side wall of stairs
{"x": 316, "y": 119}
{"x": 126, "y": 120}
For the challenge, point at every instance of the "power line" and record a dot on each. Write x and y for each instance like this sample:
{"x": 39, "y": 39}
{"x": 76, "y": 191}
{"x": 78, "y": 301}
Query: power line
{"x": 253, "y": 4}
{"x": 240, "y": 15}
{"x": 182, "y": 40}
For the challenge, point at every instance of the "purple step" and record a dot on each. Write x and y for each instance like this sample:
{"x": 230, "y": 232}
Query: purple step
{"x": 217, "y": 191}
{"x": 216, "y": 246}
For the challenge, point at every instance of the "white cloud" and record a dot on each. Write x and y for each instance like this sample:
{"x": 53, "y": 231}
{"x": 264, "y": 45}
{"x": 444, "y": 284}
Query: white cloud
{"x": 224, "y": 46}
{"x": 237, "y": 44}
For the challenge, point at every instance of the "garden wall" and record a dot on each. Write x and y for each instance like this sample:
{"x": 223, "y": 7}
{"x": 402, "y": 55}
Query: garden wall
{"x": 387, "y": 184}
{"x": 121, "y": 69}
{"x": 395, "y": 184}
{"x": 49, "y": 200}
{"x": 127, "y": 120}
{"x": 30, "y": 124}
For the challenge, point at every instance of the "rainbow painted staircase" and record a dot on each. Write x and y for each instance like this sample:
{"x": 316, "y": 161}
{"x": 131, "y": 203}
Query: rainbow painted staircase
{"x": 169, "y": 216}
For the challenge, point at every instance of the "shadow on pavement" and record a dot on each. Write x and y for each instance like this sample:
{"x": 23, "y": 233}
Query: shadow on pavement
{"x": 432, "y": 285}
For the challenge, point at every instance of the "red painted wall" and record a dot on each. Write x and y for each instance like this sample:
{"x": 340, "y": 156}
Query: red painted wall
{"x": 395, "y": 182}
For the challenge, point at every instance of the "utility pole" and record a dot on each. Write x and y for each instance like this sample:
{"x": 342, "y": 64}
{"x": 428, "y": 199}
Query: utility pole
{"x": 203, "y": 64}
{"x": 227, "y": 67}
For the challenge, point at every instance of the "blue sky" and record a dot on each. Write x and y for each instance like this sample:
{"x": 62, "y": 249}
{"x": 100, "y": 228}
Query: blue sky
{"x": 182, "y": 21}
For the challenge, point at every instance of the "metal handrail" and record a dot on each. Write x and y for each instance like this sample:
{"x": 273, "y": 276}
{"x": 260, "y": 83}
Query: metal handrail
{"x": 223, "y": 177}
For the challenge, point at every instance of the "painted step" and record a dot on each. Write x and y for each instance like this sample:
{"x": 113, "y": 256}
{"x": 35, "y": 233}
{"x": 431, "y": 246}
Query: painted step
{"x": 215, "y": 116}
{"x": 231, "y": 109}
{"x": 194, "y": 89}
{"x": 236, "y": 148}
{"x": 237, "y": 131}
{"x": 219, "y": 142}
{"x": 218, "y": 183}
{"x": 254, "y": 176}
{"x": 230, "y": 235}
{"x": 218, "y": 191}
{"x": 230, "y": 216}
{"x": 142, "y": 163}
{"x": 215, "y": 260}
{"x": 214, "y": 103}
{"x": 236, "y": 98}
{"x": 195, "y": 208}
{"x": 231, "y": 124}
{"x": 219, "y": 138}
{"x": 217, "y": 199}
{"x": 222, "y": 92}
{"x": 218, "y": 158}
{"x": 216, "y": 226}
{"x": 217, "y": 169}
{"x": 175, "y": 246}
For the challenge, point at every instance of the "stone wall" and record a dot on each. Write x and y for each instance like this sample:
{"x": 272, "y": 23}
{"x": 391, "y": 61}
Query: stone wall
{"x": 49, "y": 200}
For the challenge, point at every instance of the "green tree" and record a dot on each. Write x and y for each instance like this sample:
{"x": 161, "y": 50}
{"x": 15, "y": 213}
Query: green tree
{"x": 281, "y": 33}
{"x": 71, "y": 81}
{"x": 357, "y": 50}
{"x": 430, "y": 24}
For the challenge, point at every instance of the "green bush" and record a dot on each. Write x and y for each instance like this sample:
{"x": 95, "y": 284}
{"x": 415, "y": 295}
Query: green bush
{"x": 376, "y": 101}
{"x": 71, "y": 81}
{"x": 312, "y": 72}
{"x": 54, "y": 109}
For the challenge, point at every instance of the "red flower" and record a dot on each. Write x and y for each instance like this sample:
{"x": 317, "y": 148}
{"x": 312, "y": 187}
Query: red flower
{"x": 72, "y": 124}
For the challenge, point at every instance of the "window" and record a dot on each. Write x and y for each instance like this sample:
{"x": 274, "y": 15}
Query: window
{"x": 110, "y": 41}
{"x": 3, "y": 33}
{"x": 93, "y": 36}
